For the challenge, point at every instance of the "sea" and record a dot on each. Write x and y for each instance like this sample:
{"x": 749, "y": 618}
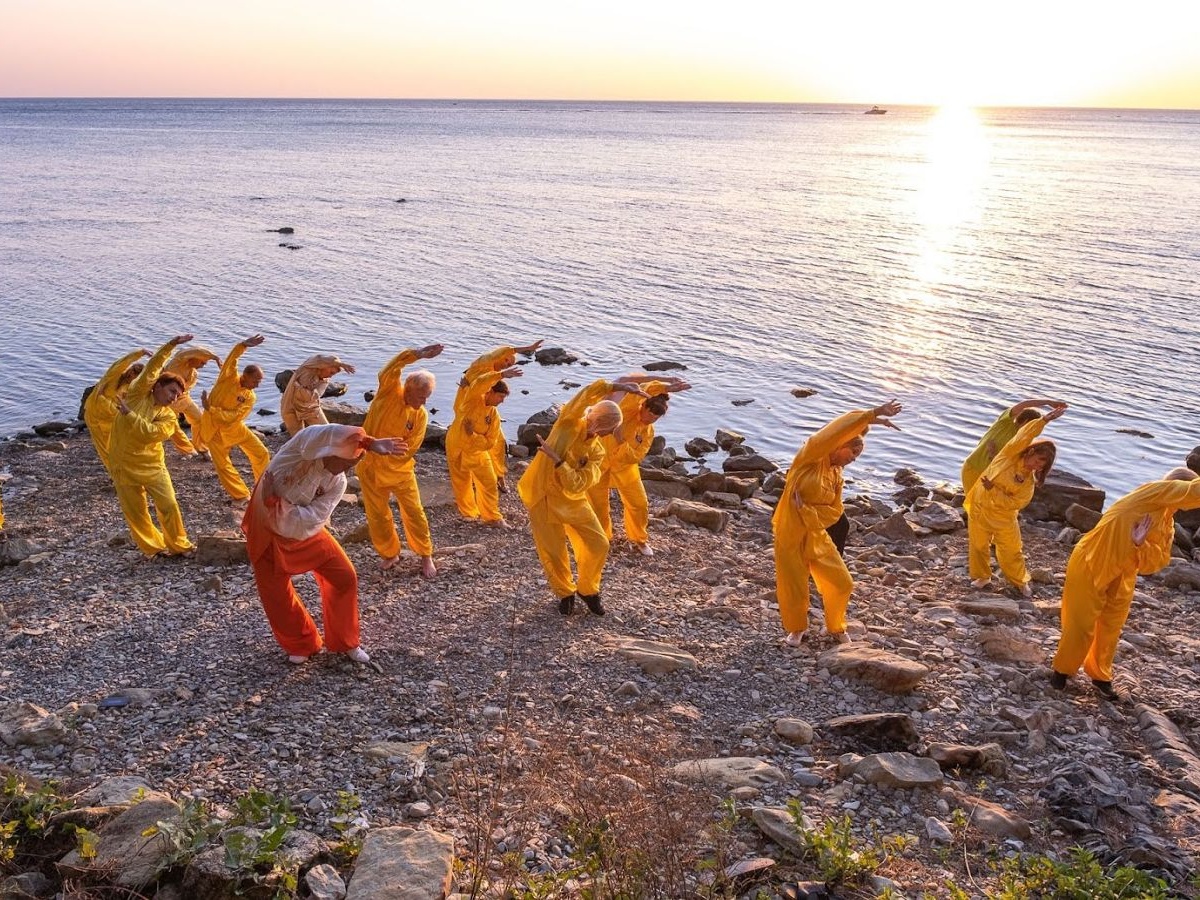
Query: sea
{"x": 958, "y": 260}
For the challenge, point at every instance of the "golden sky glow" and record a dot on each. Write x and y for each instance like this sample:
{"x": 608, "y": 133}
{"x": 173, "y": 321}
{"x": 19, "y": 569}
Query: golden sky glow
{"x": 1019, "y": 52}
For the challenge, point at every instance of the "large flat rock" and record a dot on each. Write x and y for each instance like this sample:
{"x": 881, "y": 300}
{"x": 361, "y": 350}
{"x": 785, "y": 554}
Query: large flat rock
{"x": 1171, "y": 749}
{"x": 899, "y": 770}
{"x": 879, "y": 731}
{"x": 403, "y": 864}
{"x": 655, "y": 658}
{"x": 123, "y": 847}
{"x": 1062, "y": 489}
{"x": 24, "y": 724}
{"x": 883, "y": 670}
{"x": 732, "y": 771}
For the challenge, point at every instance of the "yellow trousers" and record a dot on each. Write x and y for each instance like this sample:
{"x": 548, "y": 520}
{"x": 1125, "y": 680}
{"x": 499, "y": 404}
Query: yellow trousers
{"x": 822, "y": 562}
{"x": 192, "y": 413}
{"x": 376, "y": 500}
{"x": 256, "y": 451}
{"x": 1092, "y": 621}
{"x": 629, "y": 487}
{"x": 982, "y": 532}
{"x": 557, "y": 520}
{"x": 473, "y": 480}
{"x": 132, "y": 497}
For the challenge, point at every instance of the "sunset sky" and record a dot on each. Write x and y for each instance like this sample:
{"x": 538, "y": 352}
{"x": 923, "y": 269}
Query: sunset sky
{"x": 1049, "y": 52}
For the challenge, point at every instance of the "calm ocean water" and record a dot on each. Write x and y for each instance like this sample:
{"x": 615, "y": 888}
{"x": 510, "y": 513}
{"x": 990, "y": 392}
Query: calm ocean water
{"x": 958, "y": 261}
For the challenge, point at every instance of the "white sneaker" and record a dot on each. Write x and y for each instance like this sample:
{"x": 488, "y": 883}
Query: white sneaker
{"x": 981, "y": 582}
{"x": 795, "y": 639}
{"x": 647, "y": 550}
{"x": 297, "y": 660}
{"x": 359, "y": 655}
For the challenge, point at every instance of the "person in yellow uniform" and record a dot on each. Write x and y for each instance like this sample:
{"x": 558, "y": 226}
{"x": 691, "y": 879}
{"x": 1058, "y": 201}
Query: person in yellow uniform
{"x": 555, "y": 491}
{"x": 398, "y": 412}
{"x": 223, "y": 424}
{"x": 624, "y": 449}
{"x": 810, "y": 503}
{"x": 301, "y": 403}
{"x": 144, "y": 421}
{"x": 495, "y": 361}
{"x": 1002, "y": 491}
{"x": 471, "y": 442}
{"x": 186, "y": 363}
{"x": 1003, "y": 430}
{"x": 1133, "y": 537}
{"x": 100, "y": 408}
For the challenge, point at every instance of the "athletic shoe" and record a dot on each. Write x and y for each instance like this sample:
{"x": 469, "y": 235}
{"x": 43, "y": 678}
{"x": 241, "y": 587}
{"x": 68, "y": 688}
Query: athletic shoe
{"x": 566, "y": 605}
{"x": 359, "y": 655}
{"x": 1105, "y": 689}
{"x": 1058, "y": 681}
{"x": 593, "y": 603}
{"x": 297, "y": 660}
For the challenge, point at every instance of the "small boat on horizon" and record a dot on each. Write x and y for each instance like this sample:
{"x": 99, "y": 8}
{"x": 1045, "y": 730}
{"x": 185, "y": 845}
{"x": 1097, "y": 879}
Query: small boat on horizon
{"x": 875, "y": 111}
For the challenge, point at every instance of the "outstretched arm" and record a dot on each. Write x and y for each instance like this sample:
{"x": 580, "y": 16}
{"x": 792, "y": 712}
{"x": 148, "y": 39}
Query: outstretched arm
{"x": 1017, "y": 408}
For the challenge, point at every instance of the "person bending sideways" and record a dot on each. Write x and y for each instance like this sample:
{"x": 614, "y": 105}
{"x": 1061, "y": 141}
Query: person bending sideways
{"x": 471, "y": 443}
{"x": 223, "y": 424}
{"x": 144, "y": 421}
{"x": 555, "y": 491}
{"x": 1003, "y": 430}
{"x": 100, "y": 408}
{"x": 301, "y": 402}
{"x": 286, "y": 535}
{"x": 398, "y": 412}
{"x": 494, "y": 361}
{"x": 624, "y": 450}
{"x": 1132, "y": 538}
{"x": 995, "y": 500}
{"x": 810, "y": 503}
{"x": 186, "y": 363}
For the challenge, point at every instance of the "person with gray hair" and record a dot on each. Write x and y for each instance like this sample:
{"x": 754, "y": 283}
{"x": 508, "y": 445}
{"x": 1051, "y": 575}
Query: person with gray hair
{"x": 398, "y": 412}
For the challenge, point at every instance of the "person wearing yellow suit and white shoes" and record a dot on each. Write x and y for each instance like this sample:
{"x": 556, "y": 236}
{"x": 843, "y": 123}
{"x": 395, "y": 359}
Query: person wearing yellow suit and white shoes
{"x": 144, "y": 421}
{"x": 1004, "y": 489}
{"x": 555, "y": 491}
{"x": 810, "y": 503}
{"x": 624, "y": 450}
{"x": 398, "y": 411}
{"x": 494, "y": 361}
{"x": 186, "y": 363}
{"x": 1133, "y": 537}
{"x": 223, "y": 423}
{"x": 100, "y": 408}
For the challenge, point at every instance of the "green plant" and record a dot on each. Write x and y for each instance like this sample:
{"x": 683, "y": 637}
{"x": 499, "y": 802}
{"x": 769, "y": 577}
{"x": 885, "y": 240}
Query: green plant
{"x": 1079, "y": 877}
{"x": 186, "y": 836}
{"x": 31, "y": 810}
{"x": 351, "y": 825}
{"x": 86, "y": 843}
{"x": 832, "y": 847}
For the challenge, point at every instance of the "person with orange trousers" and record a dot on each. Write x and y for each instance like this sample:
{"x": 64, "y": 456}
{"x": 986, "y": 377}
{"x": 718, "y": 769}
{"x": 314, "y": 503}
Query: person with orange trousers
{"x": 1133, "y": 537}
{"x": 100, "y": 408}
{"x": 144, "y": 421}
{"x": 223, "y": 424}
{"x": 624, "y": 450}
{"x": 495, "y": 361}
{"x": 186, "y": 363}
{"x": 810, "y": 503}
{"x": 994, "y": 501}
{"x": 286, "y": 535}
{"x": 555, "y": 491}
{"x": 398, "y": 412}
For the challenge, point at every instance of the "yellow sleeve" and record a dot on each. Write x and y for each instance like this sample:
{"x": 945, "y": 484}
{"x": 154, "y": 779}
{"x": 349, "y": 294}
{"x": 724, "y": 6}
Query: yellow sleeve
{"x": 577, "y": 479}
{"x": 416, "y": 437}
{"x": 154, "y": 368}
{"x": 1019, "y": 444}
{"x": 487, "y": 363}
{"x": 564, "y": 432}
{"x": 115, "y": 371}
{"x": 389, "y": 375}
{"x": 837, "y": 433}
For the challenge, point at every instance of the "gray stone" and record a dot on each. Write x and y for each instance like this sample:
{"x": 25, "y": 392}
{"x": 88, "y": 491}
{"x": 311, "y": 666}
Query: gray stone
{"x": 987, "y": 758}
{"x": 1180, "y": 574}
{"x": 324, "y": 883}
{"x": 998, "y": 607}
{"x": 750, "y": 462}
{"x": 671, "y": 490}
{"x": 732, "y": 771}
{"x": 727, "y": 439}
{"x": 655, "y": 658}
{"x": 555, "y": 356}
{"x": 1082, "y": 518}
{"x": 22, "y": 724}
{"x": 120, "y": 790}
{"x": 940, "y": 518}
{"x": 1062, "y": 488}
{"x": 882, "y": 670}
{"x": 699, "y": 514}
{"x": 899, "y": 770}
{"x": 123, "y": 847}
{"x": 937, "y": 831}
{"x": 222, "y": 548}
{"x": 699, "y": 446}
{"x": 879, "y": 731}
{"x": 400, "y": 863}
{"x": 339, "y": 413}
{"x": 895, "y": 527}
{"x": 664, "y": 365}
{"x": 1009, "y": 645}
{"x": 1171, "y": 749}
{"x": 778, "y": 825}
{"x": 26, "y": 886}
{"x": 794, "y": 731}
{"x": 995, "y": 820}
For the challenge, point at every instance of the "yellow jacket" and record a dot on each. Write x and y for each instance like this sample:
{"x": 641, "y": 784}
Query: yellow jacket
{"x": 638, "y": 436}
{"x": 186, "y": 361}
{"x": 390, "y": 417}
{"x": 1012, "y": 485}
{"x": 476, "y": 426}
{"x": 228, "y": 402}
{"x": 582, "y": 457}
{"x": 100, "y": 409}
{"x": 135, "y": 448}
{"x": 1108, "y": 549}
{"x": 818, "y": 483}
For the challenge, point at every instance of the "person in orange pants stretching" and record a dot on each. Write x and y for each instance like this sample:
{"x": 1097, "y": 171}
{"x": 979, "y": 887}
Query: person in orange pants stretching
{"x": 285, "y": 527}
{"x": 1132, "y": 538}
{"x": 135, "y": 452}
{"x": 223, "y": 425}
{"x": 624, "y": 449}
{"x": 555, "y": 491}
{"x": 810, "y": 503}
{"x": 398, "y": 412}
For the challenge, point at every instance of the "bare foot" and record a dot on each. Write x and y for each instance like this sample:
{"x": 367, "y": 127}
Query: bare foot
{"x": 795, "y": 638}
{"x": 428, "y": 569}
{"x": 389, "y": 562}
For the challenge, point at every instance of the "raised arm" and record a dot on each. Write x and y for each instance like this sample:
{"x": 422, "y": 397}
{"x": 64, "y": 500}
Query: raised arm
{"x": 844, "y": 429}
{"x": 1017, "y": 408}
{"x": 155, "y": 365}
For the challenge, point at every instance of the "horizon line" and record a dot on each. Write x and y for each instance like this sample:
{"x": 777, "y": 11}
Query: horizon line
{"x": 548, "y": 100}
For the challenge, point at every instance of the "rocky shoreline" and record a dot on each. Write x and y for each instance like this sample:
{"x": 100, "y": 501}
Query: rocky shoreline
{"x": 513, "y": 743}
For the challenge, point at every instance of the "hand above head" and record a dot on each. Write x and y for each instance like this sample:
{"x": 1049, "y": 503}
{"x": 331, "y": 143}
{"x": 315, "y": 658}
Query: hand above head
{"x": 430, "y": 351}
{"x": 884, "y": 412}
{"x": 548, "y": 450}
{"x": 180, "y": 339}
{"x": 529, "y": 348}
{"x": 254, "y": 341}
{"x": 511, "y": 372}
{"x": 347, "y": 368}
{"x": 1053, "y": 413}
